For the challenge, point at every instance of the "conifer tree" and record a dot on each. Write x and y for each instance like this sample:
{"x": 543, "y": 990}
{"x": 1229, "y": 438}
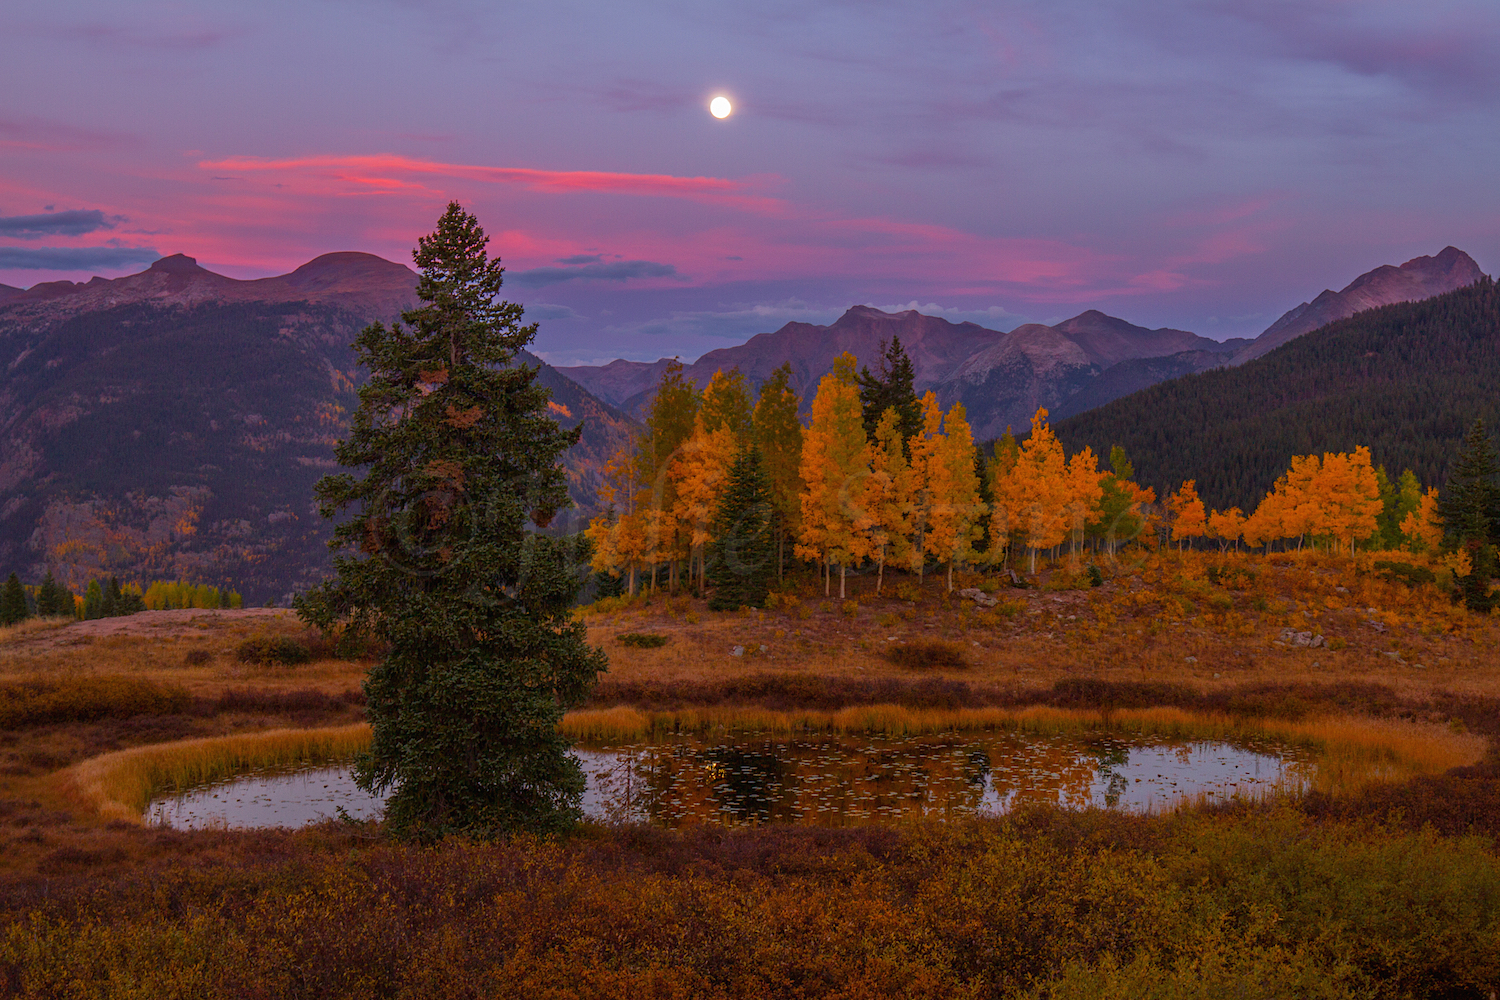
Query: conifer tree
{"x": 742, "y": 553}
{"x": 890, "y": 386}
{"x": 53, "y": 599}
{"x": 93, "y": 601}
{"x": 13, "y": 609}
{"x": 1471, "y": 500}
{"x": 778, "y": 432}
{"x": 460, "y": 465}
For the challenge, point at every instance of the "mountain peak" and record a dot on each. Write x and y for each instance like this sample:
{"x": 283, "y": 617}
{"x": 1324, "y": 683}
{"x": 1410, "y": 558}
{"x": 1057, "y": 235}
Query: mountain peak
{"x": 177, "y": 263}
{"x": 1417, "y": 279}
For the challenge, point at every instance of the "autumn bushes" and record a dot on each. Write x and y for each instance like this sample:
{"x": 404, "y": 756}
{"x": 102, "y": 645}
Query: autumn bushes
{"x": 45, "y": 701}
{"x": 1046, "y": 903}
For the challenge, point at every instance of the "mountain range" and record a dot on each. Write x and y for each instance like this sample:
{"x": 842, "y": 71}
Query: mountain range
{"x": 1001, "y": 378}
{"x": 172, "y": 423}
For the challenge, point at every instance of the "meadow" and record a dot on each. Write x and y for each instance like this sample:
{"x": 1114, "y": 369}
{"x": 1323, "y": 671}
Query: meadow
{"x": 1383, "y": 882}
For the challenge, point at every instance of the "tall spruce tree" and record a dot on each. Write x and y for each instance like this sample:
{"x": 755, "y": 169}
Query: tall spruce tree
{"x": 13, "y": 607}
{"x": 1471, "y": 512}
{"x": 1471, "y": 499}
{"x": 53, "y": 599}
{"x": 742, "y": 555}
{"x": 460, "y": 465}
{"x": 891, "y": 385}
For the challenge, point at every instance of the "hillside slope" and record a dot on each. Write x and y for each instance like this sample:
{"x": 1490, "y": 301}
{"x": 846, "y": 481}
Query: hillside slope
{"x": 1404, "y": 379}
{"x": 172, "y": 424}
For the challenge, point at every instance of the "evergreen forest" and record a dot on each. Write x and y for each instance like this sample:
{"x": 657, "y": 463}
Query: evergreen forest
{"x": 1405, "y": 380}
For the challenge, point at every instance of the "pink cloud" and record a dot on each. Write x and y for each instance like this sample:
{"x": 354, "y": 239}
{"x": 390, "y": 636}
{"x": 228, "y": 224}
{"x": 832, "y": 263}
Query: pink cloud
{"x": 384, "y": 170}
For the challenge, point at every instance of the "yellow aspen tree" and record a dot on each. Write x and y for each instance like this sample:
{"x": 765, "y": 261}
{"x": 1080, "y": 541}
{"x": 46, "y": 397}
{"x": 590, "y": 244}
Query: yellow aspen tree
{"x": 1348, "y": 497}
{"x": 1035, "y": 490}
{"x": 835, "y": 464}
{"x": 922, "y": 450}
{"x": 1227, "y": 526}
{"x": 698, "y": 473}
{"x": 1085, "y": 493}
{"x": 726, "y": 404}
{"x": 1301, "y": 508}
{"x": 670, "y": 418}
{"x": 954, "y": 508}
{"x": 1187, "y": 513}
{"x": 1007, "y": 452}
{"x": 889, "y": 497}
{"x": 778, "y": 431}
{"x": 1423, "y": 527}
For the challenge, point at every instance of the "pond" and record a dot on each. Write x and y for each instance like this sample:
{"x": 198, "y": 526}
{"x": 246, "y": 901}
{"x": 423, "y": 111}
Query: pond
{"x": 827, "y": 780}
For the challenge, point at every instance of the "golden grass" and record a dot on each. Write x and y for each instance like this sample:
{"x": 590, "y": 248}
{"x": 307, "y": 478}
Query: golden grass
{"x": 120, "y": 785}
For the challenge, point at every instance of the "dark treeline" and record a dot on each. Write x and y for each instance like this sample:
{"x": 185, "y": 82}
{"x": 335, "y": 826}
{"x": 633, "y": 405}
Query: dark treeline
{"x": 1407, "y": 380}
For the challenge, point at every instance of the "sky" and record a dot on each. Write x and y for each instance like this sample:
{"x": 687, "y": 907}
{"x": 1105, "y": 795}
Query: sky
{"x": 1199, "y": 165}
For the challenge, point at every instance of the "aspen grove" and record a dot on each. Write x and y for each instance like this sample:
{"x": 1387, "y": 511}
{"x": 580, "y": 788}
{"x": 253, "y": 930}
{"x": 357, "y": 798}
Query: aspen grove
{"x": 844, "y": 499}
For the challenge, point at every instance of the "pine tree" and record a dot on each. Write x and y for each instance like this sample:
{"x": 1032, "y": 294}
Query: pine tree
{"x": 93, "y": 601}
{"x": 742, "y": 554}
{"x": 460, "y": 461}
{"x": 778, "y": 432}
{"x": 891, "y": 386}
{"x": 13, "y": 608}
{"x": 1471, "y": 500}
{"x": 53, "y": 599}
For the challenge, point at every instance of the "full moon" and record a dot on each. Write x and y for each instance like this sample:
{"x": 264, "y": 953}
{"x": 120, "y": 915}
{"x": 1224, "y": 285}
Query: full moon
{"x": 720, "y": 107}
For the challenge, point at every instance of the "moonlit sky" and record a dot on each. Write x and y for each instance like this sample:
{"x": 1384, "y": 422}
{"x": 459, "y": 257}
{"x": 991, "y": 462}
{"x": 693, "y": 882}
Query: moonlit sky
{"x": 1202, "y": 165}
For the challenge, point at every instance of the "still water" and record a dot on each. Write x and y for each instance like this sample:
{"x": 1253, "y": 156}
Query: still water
{"x": 825, "y": 780}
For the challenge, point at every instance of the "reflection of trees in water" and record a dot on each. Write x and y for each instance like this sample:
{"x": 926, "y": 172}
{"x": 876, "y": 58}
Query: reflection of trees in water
{"x": 837, "y": 780}
{"x": 1111, "y": 756}
{"x": 747, "y": 784}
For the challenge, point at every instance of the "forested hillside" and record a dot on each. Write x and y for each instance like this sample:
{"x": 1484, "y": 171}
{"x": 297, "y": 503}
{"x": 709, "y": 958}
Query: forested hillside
{"x": 169, "y": 441}
{"x": 1407, "y": 380}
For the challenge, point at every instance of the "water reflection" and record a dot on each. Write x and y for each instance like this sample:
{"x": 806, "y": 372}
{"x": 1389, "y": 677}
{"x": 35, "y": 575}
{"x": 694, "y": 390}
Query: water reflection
{"x": 843, "y": 780}
{"x": 826, "y": 780}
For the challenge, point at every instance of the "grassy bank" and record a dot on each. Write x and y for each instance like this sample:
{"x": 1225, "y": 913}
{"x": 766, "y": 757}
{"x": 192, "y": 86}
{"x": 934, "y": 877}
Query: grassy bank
{"x": 119, "y": 785}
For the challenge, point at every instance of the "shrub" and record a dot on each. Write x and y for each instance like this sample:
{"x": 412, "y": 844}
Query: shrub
{"x": 1400, "y": 572}
{"x": 197, "y": 657}
{"x": 1229, "y": 576}
{"x": 1096, "y": 576}
{"x": 42, "y": 702}
{"x": 1336, "y": 643}
{"x": 772, "y": 601}
{"x": 265, "y": 650}
{"x": 1220, "y": 602}
{"x": 927, "y": 654}
{"x": 642, "y": 640}
{"x": 908, "y": 591}
{"x": 849, "y": 608}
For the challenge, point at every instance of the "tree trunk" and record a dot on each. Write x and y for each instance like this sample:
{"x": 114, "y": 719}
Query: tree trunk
{"x": 841, "y": 581}
{"x": 950, "y": 576}
{"x": 880, "y": 574}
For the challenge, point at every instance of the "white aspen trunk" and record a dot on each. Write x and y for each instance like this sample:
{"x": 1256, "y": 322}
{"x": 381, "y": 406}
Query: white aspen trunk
{"x": 841, "y": 581}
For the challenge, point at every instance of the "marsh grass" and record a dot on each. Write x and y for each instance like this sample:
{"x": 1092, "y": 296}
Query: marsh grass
{"x": 120, "y": 785}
